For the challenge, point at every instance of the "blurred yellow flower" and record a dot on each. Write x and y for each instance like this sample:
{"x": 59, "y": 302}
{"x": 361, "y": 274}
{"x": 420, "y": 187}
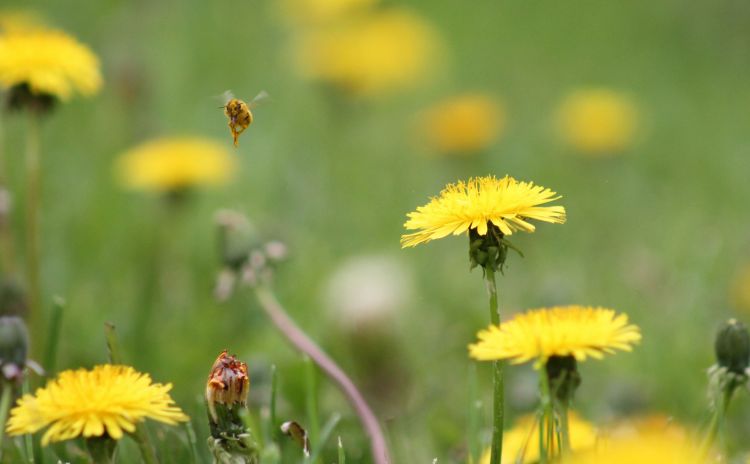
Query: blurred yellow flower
{"x": 739, "y": 290}
{"x": 369, "y": 54}
{"x": 48, "y": 63}
{"x": 316, "y": 12}
{"x": 597, "y": 122}
{"x": 505, "y": 203}
{"x": 463, "y": 124}
{"x": 15, "y": 21}
{"x": 577, "y": 331}
{"x": 646, "y": 448}
{"x": 170, "y": 164}
{"x": 90, "y": 403}
{"x": 521, "y": 443}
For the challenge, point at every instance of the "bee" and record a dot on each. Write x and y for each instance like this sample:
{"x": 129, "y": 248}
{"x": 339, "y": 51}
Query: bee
{"x": 239, "y": 113}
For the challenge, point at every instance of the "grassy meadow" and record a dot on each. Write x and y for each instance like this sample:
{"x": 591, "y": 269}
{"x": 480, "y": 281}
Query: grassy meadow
{"x": 658, "y": 230}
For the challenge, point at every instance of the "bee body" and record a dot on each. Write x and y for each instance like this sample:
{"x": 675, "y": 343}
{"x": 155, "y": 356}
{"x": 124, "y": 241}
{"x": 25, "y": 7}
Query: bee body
{"x": 239, "y": 115}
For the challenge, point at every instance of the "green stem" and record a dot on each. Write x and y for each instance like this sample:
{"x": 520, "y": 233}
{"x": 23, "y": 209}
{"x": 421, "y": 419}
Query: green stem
{"x": 141, "y": 434}
{"x": 546, "y": 420}
{"x": 4, "y": 407}
{"x": 33, "y": 187}
{"x": 53, "y": 335}
{"x": 498, "y": 389}
{"x": 564, "y": 429}
{"x": 715, "y": 424}
{"x": 312, "y": 403}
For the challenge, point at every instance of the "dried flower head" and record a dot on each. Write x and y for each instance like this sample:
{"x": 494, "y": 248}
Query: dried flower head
{"x": 228, "y": 383}
{"x": 107, "y": 400}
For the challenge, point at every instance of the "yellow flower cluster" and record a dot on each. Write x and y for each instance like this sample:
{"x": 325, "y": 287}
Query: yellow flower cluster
{"x": 538, "y": 334}
{"x": 107, "y": 400}
{"x": 506, "y": 203}
{"x": 48, "y": 63}
{"x": 170, "y": 164}
{"x": 597, "y": 122}
{"x": 461, "y": 125}
{"x": 358, "y": 47}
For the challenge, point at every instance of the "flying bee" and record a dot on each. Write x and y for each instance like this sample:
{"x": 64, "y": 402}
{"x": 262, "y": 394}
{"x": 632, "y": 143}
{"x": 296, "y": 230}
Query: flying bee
{"x": 239, "y": 113}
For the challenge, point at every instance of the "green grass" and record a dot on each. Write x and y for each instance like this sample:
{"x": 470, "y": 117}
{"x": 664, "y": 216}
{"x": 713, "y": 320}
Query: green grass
{"x": 656, "y": 233}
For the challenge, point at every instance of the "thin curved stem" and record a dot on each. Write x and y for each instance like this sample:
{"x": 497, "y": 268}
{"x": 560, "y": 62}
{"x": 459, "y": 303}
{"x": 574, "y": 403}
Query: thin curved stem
{"x": 498, "y": 389}
{"x": 33, "y": 187}
{"x": 302, "y": 342}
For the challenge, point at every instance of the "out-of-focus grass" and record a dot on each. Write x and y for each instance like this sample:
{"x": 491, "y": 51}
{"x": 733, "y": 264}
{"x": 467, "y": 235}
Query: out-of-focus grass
{"x": 655, "y": 233}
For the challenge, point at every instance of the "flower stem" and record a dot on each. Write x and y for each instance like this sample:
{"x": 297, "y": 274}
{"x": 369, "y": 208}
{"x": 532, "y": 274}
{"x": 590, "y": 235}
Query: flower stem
{"x": 302, "y": 342}
{"x": 6, "y": 237}
{"x": 498, "y": 390}
{"x": 101, "y": 449}
{"x": 141, "y": 434}
{"x": 546, "y": 420}
{"x": 716, "y": 421}
{"x": 565, "y": 430}
{"x": 4, "y": 407}
{"x": 33, "y": 187}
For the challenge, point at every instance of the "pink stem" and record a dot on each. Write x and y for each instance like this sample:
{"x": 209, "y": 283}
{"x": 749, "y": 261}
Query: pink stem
{"x": 302, "y": 342}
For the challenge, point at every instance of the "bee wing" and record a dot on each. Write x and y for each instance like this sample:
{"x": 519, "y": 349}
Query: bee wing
{"x": 262, "y": 97}
{"x": 223, "y": 98}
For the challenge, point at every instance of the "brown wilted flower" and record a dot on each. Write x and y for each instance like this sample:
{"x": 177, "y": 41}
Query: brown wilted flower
{"x": 228, "y": 383}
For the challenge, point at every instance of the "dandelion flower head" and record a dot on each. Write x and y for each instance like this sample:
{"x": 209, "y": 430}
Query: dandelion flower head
{"x": 647, "y": 448}
{"x": 320, "y": 12}
{"x": 170, "y": 164}
{"x": 597, "y": 122}
{"x": 482, "y": 201}
{"x": 15, "y": 21}
{"x": 539, "y": 334}
{"x": 108, "y": 400}
{"x": 369, "y": 54}
{"x": 48, "y": 63}
{"x": 463, "y": 124}
{"x": 521, "y": 443}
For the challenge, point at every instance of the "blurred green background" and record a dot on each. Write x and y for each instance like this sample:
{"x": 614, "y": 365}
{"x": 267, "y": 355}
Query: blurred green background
{"x": 658, "y": 232}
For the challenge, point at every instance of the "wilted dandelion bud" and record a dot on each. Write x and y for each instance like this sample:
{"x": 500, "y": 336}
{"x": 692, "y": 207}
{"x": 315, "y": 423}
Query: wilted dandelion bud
{"x": 228, "y": 384}
{"x": 732, "y": 347}
{"x": 14, "y": 347}
{"x": 226, "y": 395}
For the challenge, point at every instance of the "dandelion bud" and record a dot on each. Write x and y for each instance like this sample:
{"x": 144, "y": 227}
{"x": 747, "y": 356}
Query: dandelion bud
{"x": 226, "y": 395}
{"x": 21, "y": 97}
{"x": 732, "y": 347}
{"x": 488, "y": 250}
{"x": 14, "y": 346}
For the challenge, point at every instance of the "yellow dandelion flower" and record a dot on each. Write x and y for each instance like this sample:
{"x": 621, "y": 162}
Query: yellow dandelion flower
{"x": 369, "y": 54}
{"x": 171, "y": 164}
{"x": 506, "y": 203}
{"x": 48, "y": 63}
{"x": 521, "y": 443}
{"x": 316, "y": 12}
{"x": 577, "y": 331}
{"x": 107, "y": 400}
{"x": 463, "y": 124}
{"x": 597, "y": 122}
{"x": 647, "y": 448}
{"x": 739, "y": 290}
{"x": 14, "y": 21}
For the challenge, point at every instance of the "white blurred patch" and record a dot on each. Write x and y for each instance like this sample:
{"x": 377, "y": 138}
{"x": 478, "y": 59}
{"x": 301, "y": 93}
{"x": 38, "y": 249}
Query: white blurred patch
{"x": 368, "y": 290}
